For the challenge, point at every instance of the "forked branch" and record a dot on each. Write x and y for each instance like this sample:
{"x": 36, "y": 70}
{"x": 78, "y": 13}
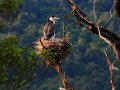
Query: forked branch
{"x": 108, "y": 35}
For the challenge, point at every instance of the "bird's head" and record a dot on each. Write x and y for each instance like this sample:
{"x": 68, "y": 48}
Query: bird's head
{"x": 53, "y": 18}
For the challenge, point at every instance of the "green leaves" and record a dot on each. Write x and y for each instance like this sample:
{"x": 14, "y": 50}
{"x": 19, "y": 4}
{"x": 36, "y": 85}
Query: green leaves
{"x": 9, "y": 10}
{"x": 49, "y": 54}
{"x": 17, "y": 65}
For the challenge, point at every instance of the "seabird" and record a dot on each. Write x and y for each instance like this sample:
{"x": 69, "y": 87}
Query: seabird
{"x": 49, "y": 28}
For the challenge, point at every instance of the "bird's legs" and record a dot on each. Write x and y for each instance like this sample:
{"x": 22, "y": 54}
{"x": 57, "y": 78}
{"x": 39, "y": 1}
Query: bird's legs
{"x": 53, "y": 38}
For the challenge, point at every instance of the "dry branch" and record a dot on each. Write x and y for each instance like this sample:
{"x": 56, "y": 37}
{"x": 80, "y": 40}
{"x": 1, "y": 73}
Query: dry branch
{"x": 117, "y": 9}
{"x": 112, "y": 81}
{"x": 110, "y": 36}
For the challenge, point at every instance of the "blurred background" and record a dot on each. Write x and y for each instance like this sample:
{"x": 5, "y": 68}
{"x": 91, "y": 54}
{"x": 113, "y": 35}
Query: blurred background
{"x": 85, "y": 66}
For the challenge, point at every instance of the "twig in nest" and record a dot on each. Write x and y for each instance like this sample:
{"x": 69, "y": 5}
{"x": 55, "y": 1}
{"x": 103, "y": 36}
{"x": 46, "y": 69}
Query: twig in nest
{"x": 64, "y": 29}
{"x": 42, "y": 44}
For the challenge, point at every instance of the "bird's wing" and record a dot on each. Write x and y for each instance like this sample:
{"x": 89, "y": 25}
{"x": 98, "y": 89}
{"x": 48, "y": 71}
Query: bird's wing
{"x": 48, "y": 29}
{"x": 45, "y": 29}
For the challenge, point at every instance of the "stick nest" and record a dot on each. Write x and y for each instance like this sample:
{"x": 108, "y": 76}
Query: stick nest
{"x": 56, "y": 49}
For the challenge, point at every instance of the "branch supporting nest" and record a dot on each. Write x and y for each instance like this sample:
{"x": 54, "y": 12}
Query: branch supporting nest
{"x": 61, "y": 73}
{"x": 52, "y": 52}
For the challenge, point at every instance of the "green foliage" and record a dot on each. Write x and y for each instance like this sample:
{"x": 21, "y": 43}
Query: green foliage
{"x": 86, "y": 66}
{"x": 49, "y": 54}
{"x": 8, "y": 11}
{"x": 56, "y": 50}
{"x": 10, "y": 6}
{"x": 17, "y": 65}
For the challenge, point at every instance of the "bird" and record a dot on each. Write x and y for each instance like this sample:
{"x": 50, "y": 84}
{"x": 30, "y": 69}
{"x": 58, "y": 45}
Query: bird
{"x": 49, "y": 28}
{"x": 117, "y": 9}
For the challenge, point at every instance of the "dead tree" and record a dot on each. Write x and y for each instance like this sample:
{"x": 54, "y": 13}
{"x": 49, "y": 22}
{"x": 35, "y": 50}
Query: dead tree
{"x": 108, "y": 36}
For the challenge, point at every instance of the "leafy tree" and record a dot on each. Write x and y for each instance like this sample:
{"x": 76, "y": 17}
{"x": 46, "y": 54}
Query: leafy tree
{"x": 17, "y": 65}
{"x": 9, "y": 10}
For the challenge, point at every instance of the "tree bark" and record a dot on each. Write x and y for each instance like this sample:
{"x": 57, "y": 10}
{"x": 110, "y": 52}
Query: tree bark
{"x": 112, "y": 80}
{"x": 61, "y": 73}
{"x": 109, "y": 35}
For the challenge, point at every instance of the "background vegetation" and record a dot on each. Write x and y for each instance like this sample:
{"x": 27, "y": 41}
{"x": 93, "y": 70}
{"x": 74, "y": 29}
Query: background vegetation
{"x": 22, "y": 22}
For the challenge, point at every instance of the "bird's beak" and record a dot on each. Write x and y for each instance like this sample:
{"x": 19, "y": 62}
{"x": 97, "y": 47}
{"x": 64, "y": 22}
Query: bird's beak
{"x": 57, "y": 18}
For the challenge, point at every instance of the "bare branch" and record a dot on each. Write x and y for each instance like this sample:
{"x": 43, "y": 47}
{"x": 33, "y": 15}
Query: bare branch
{"x": 64, "y": 30}
{"x": 94, "y": 11}
{"x": 109, "y": 42}
{"x": 61, "y": 73}
{"x": 110, "y": 13}
{"x": 112, "y": 81}
{"x": 111, "y": 38}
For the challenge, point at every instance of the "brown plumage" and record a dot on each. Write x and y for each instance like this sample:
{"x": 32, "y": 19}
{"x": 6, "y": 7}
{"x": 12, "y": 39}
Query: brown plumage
{"x": 48, "y": 30}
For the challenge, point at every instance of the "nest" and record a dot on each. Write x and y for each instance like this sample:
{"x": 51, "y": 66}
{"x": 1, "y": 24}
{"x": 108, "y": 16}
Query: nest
{"x": 56, "y": 49}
